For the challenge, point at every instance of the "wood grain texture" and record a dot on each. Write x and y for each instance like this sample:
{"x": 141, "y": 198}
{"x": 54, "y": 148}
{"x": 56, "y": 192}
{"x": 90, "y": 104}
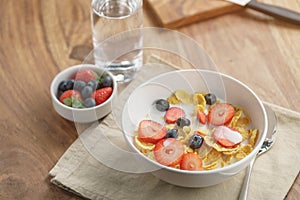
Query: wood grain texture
{"x": 174, "y": 14}
{"x": 39, "y": 38}
{"x": 35, "y": 45}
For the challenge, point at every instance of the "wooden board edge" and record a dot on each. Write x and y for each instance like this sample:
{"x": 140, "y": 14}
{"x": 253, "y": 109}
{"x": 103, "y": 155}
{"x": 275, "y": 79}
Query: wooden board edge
{"x": 201, "y": 16}
{"x": 154, "y": 14}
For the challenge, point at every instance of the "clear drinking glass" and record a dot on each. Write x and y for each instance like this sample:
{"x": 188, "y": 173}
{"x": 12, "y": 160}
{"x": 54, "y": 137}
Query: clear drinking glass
{"x": 117, "y": 39}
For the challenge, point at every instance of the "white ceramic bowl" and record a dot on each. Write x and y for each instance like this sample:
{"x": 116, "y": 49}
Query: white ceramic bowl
{"x": 81, "y": 115}
{"x": 224, "y": 87}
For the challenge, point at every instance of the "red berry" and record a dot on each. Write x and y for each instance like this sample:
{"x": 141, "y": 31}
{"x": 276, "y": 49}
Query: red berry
{"x": 168, "y": 151}
{"x": 86, "y": 75}
{"x": 173, "y": 114}
{"x": 201, "y": 117}
{"x": 220, "y": 114}
{"x": 226, "y": 136}
{"x": 102, "y": 95}
{"x": 66, "y": 97}
{"x": 150, "y": 131}
{"x": 191, "y": 161}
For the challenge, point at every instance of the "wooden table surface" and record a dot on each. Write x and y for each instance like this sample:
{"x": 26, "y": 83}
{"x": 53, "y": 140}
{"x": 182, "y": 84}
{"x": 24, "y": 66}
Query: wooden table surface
{"x": 39, "y": 38}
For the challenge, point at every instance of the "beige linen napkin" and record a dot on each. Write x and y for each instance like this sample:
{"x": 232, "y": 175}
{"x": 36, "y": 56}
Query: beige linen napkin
{"x": 273, "y": 174}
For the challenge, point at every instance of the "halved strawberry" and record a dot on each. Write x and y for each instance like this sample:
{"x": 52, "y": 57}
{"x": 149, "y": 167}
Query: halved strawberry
{"x": 150, "y": 131}
{"x": 227, "y": 137}
{"x": 201, "y": 116}
{"x": 86, "y": 75}
{"x": 220, "y": 114}
{"x": 69, "y": 97}
{"x": 172, "y": 114}
{"x": 168, "y": 151}
{"x": 101, "y": 95}
{"x": 191, "y": 162}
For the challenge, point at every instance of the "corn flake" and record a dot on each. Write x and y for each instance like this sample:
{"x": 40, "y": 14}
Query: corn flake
{"x": 244, "y": 132}
{"x": 223, "y": 164}
{"x": 187, "y": 129}
{"x": 183, "y": 96}
{"x": 173, "y": 99}
{"x": 240, "y": 155}
{"x": 199, "y": 107}
{"x": 203, "y": 151}
{"x": 212, "y": 165}
{"x": 210, "y": 141}
{"x": 235, "y": 118}
{"x": 228, "y": 159}
{"x": 244, "y": 151}
{"x": 170, "y": 126}
{"x": 212, "y": 156}
{"x": 201, "y": 132}
{"x": 253, "y": 137}
{"x": 247, "y": 148}
{"x": 185, "y": 134}
{"x": 199, "y": 99}
{"x": 143, "y": 146}
{"x": 232, "y": 151}
{"x": 188, "y": 149}
{"x": 243, "y": 122}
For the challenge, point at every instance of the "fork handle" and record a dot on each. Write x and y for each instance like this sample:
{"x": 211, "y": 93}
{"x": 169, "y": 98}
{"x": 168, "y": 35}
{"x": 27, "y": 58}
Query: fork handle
{"x": 276, "y": 11}
{"x": 244, "y": 190}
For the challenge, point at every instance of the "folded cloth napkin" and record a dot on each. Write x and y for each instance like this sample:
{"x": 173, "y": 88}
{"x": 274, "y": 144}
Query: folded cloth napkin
{"x": 79, "y": 171}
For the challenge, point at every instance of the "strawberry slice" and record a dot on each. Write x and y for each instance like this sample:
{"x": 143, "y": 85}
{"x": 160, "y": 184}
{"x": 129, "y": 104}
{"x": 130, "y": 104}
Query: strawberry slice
{"x": 191, "y": 162}
{"x": 169, "y": 151}
{"x": 101, "y": 95}
{"x": 86, "y": 75}
{"x": 201, "y": 117}
{"x": 150, "y": 131}
{"x": 172, "y": 114}
{"x": 227, "y": 137}
{"x": 220, "y": 114}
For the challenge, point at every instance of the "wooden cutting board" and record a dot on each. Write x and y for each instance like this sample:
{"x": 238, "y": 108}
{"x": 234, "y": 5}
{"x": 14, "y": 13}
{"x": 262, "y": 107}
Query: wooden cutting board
{"x": 177, "y": 13}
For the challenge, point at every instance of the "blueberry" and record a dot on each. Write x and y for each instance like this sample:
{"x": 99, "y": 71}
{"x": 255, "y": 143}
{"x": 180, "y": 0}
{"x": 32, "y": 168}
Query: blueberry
{"x": 70, "y": 84}
{"x": 93, "y": 84}
{"x": 79, "y": 85}
{"x": 86, "y": 92}
{"x": 195, "y": 141}
{"x": 62, "y": 86}
{"x": 162, "y": 105}
{"x": 107, "y": 81}
{"x": 181, "y": 122}
{"x": 210, "y": 99}
{"x": 59, "y": 93}
{"x": 172, "y": 133}
{"x": 89, "y": 102}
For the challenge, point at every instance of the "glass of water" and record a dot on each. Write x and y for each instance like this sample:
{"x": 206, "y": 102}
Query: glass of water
{"x": 117, "y": 36}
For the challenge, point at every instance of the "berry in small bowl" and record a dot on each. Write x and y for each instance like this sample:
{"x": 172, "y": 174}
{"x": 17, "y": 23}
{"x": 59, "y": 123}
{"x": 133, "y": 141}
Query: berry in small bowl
{"x": 83, "y": 93}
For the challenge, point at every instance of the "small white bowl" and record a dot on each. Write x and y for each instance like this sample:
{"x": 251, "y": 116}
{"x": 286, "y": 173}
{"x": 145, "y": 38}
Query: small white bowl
{"x": 224, "y": 87}
{"x": 81, "y": 115}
